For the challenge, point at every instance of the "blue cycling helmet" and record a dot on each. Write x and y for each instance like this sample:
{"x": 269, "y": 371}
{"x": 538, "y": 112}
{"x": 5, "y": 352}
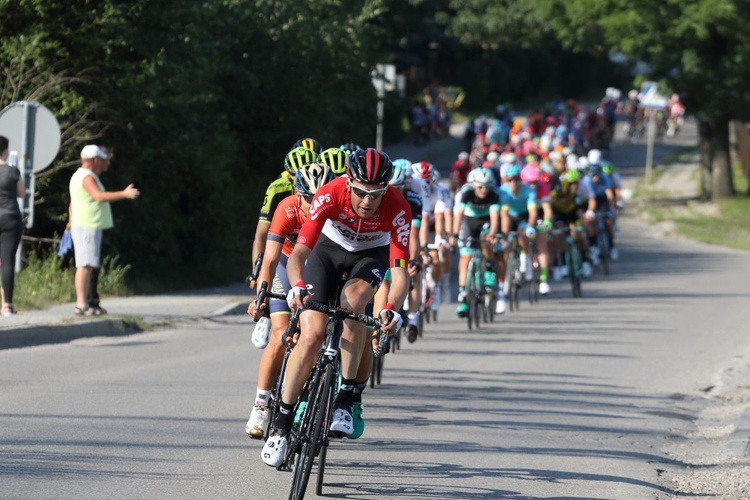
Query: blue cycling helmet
{"x": 513, "y": 171}
{"x": 403, "y": 163}
{"x": 595, "y": 170}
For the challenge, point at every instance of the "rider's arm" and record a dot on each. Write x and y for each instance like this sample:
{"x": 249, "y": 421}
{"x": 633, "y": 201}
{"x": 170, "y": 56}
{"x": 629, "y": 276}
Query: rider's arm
{"x": 531, "y": 204}
{"x": 275, "y": 192}
{"x": 296, "y": 264}
{"x": 494, "y": 220}
{"x": 458, "y": 217}
{"x": 399, "y": 287}
{"x": 504, "y": 219}
{"x": 271, "y": 256}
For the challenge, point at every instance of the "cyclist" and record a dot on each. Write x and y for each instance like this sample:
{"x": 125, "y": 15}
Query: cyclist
{"x": 609, "y": 170}
{"x": 277, "y": 191}
{"x": 460, "y": 170}
{"x": 399, "y": 181}
{"x": 567, "y": 213}
{"x": 358, "y": 226}
{"x": 309, "y": 143}
{"x": 476, "y": 212}
{"x": 534, "y": 177}
{"x": 601, "y": 198}
{"x": 336, "y": 159}
{"x": 435, "y": 219}
{"x": 349, "y": 148}
{"x": 443, "y": 224}
{"x": 282, "y": 235}
{"x": 518, "y": 213}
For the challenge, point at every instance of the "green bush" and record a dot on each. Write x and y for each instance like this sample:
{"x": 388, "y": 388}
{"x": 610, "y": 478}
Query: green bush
{"x": 43, "y": 281}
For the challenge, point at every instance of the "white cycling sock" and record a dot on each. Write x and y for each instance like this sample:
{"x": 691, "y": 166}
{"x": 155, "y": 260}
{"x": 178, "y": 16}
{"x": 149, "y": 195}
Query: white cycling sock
{"x": 262, "y": 396}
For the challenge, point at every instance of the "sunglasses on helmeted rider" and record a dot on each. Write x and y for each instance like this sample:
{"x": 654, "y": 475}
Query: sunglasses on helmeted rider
{"x": 363, "y": 193}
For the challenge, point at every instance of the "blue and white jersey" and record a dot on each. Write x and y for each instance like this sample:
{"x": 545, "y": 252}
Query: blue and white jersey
{"x": 517, "y": 204}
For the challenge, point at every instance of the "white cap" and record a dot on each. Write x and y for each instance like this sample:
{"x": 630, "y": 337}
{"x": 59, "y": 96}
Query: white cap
{"x": 92, "y": 151}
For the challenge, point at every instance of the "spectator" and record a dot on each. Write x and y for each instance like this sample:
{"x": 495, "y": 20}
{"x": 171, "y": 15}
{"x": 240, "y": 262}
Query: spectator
{"x": 460, "y": 171}
{"x": 11, "y": 224}
{"x": 90, "y": 214}
{"x": 420, "y": 123}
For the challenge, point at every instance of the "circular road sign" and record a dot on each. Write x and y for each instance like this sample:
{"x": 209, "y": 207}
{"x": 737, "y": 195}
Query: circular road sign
{"x": 42, "y": 129}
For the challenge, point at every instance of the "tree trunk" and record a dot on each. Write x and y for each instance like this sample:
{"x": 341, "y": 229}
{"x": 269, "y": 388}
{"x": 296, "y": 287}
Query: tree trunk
{"x": 721, "y": 166}
{"x": 705, "y": 133}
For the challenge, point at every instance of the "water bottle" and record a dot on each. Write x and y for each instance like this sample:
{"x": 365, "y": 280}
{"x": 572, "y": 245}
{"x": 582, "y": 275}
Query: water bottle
{"x": 260, "y": 333}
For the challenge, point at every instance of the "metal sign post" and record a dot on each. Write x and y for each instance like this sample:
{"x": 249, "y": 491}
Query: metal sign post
{"x": 383, "y": 79}
{"x": 653, "y": 102}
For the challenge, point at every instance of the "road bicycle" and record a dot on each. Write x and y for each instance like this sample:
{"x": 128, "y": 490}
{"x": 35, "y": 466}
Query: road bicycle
{"x": 572, "y": 258}
{"x": 310, "y": 436}
{"x": 532, "y": 286}
{"x": 513, "y": 275}
{"x": 474, "y": 286}
{"x": 602, "y": 240}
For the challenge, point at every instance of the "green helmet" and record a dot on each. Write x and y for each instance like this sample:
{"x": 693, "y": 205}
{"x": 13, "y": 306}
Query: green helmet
{"x": 297, "y": 157}
{"x": 572, "y": 176}
{"x": 334, "y": 158}
{"x": 608, "y": 168}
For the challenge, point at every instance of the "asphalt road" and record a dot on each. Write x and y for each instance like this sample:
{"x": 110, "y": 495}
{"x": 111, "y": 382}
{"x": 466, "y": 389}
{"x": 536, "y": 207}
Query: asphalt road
{"x": 568, "y": 399}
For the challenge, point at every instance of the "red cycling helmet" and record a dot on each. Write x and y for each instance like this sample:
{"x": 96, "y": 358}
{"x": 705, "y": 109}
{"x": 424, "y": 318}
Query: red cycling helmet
{"x": 369, "y": 166}
{"x": 423, "y": 170}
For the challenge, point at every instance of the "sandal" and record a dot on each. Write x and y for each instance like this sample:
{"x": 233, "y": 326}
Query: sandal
{"x": 80, "y": 311}
{"x": 96, "y": 311}
{"x": 9, "y": 310}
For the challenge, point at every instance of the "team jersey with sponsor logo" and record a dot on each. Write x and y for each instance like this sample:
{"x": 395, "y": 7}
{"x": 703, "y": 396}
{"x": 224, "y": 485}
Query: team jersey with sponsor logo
{"x": 286, "y": 223}
{"x": 276, "y": 191}
{"x": 331, "y": 213}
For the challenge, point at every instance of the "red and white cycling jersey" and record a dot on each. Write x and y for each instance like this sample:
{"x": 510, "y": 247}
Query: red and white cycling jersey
{"x": 331, "y": 213}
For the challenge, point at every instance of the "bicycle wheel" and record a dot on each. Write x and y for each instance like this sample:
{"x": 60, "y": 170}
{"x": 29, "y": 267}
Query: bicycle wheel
{"x": 510, "y": 273}
{"x": 603, "y": 244}
{"x": 374, "y": 371}
{"x": 321, "y": 470}
{"x": 322, "y": 422}
{"x": 379, "y": 369}
{"x": 470, "y": 296}
{"x": 309, "y": 435}
{"x": 479, "y": 306}
{"x": 575, "y": 270}
{"x": 422, "y": 314}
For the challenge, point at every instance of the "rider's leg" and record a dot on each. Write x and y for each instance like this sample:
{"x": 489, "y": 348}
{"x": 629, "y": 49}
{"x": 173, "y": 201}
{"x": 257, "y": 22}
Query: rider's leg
{"x": 268, "y": 372}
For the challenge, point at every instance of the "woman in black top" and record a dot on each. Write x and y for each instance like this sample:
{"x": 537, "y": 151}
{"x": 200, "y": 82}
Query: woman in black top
{"x": 11, "y": 224}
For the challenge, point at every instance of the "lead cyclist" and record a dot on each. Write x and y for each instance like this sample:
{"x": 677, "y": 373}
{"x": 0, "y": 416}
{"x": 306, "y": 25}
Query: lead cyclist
{"x": 358, "y": 227}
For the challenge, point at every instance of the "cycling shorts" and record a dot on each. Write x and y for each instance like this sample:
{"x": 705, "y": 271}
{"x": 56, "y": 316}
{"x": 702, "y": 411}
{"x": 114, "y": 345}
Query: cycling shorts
{"x": 280, "y": 285}
{"x": 519, "y": 223}
{"x": 329, "y": 262}
{"x": 474, "y": 228}
{"x": 561, "y": 218}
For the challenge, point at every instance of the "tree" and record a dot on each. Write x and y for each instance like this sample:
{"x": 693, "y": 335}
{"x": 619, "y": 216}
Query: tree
{"x": 696, "y": 48}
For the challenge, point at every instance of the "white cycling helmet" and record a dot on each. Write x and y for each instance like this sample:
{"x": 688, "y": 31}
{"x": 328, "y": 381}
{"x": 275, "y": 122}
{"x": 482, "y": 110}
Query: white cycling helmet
{"x": 399, "y": 178}
{"x": 483, "y": 176}
{"x": 583, "y": 163}
{"x": 571, "y": 163}
{"x": 594, "y": 156}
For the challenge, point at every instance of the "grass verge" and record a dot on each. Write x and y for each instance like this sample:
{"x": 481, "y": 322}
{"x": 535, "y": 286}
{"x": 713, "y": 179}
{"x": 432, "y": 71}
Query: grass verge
{"x": 726, "y": 223}
{"x": 44, "y": 281}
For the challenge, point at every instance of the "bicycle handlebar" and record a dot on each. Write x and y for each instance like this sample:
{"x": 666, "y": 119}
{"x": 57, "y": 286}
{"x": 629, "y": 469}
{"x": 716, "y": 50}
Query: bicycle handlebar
{"x": 256, "y": 271}
{"x": 336, "y": 312}
{"x": 263, "y": 293}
